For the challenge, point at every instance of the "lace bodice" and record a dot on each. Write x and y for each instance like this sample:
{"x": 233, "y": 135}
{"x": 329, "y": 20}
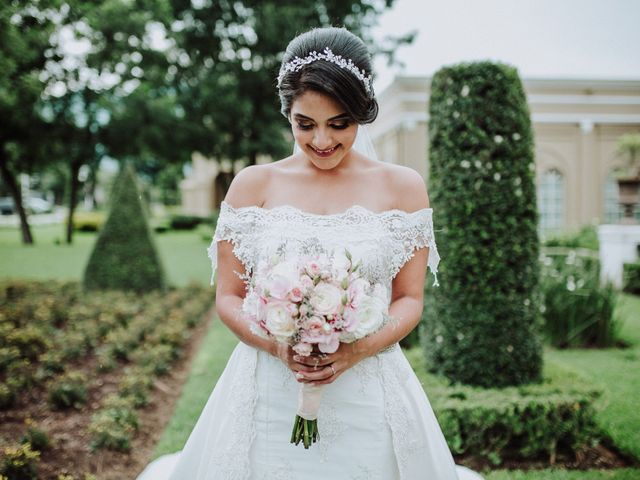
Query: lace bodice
{"x": 383, "y": 241}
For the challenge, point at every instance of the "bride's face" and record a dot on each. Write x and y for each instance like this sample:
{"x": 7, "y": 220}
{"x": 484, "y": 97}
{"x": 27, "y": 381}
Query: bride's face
{"x": 322, "y": 128}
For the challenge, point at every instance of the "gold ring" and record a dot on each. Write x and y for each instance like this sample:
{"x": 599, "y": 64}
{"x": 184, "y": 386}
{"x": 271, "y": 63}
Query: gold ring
{"x": 333, "y": 369}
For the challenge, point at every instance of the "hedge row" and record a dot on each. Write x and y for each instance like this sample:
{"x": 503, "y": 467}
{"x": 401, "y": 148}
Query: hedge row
{"x": 521, "y": 422}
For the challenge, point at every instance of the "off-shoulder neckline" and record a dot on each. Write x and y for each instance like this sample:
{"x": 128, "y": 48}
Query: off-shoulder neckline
{"x": 349, "y": 210}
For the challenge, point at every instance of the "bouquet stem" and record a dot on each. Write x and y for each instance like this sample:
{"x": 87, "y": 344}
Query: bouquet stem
{"x": 305, "y": 431}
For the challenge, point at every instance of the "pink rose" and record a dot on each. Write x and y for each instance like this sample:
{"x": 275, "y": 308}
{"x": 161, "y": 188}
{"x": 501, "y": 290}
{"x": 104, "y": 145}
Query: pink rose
{"x": 306, "y": 282}
{"x": 313, "y": 268}
{"x": 295, "y": 295}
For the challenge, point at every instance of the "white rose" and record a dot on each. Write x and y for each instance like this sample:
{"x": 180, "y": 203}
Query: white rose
{"x": 370, "y": 316}
{"x": 326, "y": 299}
{"x": 356, "y": 290}
{"x": 278, "y": 321}
{"x": 282, "y": 279}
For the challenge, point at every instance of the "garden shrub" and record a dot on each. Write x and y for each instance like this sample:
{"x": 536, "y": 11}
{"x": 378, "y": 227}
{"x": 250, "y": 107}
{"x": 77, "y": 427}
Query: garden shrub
{"x": 631, "y": 278}
{"x": 585, "y": 237}
{"x": 154, "y": 358}
{"x": 68, "y": 390}
{"x": 7, "y": 395}
{"x": 483, "y": 322}
{"x": 51, "y": 363}
{"x": 554, "y": 416}
{"x": 20, "y": 463}
{"x": 578, "y": 310}
{"x": 125, "y": 256}
{"x": 113, "y": 426}
{"x": 185, "y": 222}
{"x": 37, "y": 438}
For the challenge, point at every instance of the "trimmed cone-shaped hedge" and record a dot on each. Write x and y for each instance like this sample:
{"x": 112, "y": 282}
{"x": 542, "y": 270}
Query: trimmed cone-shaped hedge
{"x": 483, "y": 323}
{"x": 125, "y": 256}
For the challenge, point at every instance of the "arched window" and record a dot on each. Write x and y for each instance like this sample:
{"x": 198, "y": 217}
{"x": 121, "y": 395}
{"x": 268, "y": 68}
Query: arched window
{"x": 551, "y": 193}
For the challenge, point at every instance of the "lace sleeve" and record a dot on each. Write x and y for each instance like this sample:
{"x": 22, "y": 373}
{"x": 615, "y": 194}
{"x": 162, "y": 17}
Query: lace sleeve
{"x": 414, "y": 231}
{"x": 235, "y": 226}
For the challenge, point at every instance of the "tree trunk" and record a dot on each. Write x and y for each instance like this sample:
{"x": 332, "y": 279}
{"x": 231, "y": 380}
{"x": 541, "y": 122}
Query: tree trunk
{"x": 92, "y": 182}
{"x": 10, "y": 180}
{"x": 73, "y": 197}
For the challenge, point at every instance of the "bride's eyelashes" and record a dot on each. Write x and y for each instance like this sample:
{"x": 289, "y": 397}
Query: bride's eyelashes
{"x": 307, "y": 126}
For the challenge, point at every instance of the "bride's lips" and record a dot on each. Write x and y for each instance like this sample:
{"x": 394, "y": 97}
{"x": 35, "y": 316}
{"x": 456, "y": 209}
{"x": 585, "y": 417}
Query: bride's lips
{"x": 325, "y": 153}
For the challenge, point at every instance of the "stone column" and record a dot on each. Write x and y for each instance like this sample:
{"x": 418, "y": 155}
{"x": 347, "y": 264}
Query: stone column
{"x": 589, "y": 184}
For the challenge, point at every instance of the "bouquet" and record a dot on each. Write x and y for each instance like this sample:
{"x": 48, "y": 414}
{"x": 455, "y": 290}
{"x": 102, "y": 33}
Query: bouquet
{"x": 313, "y": 302}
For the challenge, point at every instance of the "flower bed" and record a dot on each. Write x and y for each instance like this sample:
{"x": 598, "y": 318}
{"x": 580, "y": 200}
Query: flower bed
{"x": 79, "y": 369}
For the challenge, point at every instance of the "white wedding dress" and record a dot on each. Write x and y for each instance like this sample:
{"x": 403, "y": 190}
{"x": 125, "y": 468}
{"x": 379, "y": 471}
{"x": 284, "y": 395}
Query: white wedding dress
{"x": 375, "y": 421}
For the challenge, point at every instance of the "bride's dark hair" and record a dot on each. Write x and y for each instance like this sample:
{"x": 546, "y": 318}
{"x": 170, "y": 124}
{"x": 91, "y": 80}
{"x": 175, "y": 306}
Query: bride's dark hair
{"x": 327, "y": 77}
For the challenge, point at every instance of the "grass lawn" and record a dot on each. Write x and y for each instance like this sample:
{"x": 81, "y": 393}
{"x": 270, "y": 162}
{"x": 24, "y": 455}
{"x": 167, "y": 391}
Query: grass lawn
{"x": 183, "y": 254}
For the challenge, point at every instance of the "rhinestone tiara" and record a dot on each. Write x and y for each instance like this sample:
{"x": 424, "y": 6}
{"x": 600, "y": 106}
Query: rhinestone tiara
{"x": 297, "y": 63}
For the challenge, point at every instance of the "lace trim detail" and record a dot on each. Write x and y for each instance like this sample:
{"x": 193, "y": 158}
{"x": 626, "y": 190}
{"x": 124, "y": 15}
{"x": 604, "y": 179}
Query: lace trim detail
{"x": 233, "y": 463}
{"x": 402, "y": 233}
{"x": 406, "y": 444}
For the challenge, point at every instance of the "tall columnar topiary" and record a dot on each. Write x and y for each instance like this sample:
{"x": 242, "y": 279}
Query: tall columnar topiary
{"x": 483, "y": 323}
{"x": 125, "y": 256}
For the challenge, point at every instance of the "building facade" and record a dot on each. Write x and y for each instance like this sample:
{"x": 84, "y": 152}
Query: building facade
{"x": 576, "y": 124}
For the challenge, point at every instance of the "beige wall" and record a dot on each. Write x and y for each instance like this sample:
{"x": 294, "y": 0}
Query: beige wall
{"x": 576, "y": 124}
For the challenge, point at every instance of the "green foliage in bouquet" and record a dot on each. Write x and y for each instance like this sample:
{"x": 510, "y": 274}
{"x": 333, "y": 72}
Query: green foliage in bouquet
{"x": 125, "y": 256}
{"x": 483, "y": 326}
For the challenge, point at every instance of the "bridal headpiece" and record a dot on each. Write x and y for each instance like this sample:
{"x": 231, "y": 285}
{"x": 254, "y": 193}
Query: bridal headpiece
{"x": 297, "y": 63}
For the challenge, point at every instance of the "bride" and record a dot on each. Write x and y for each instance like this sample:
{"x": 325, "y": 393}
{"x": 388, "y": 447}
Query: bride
{"x": 375, "y": 420}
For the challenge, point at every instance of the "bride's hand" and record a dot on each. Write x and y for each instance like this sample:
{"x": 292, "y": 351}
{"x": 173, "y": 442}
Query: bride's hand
{"x": 326, "y": 368}
{"x": 286, "y": 354}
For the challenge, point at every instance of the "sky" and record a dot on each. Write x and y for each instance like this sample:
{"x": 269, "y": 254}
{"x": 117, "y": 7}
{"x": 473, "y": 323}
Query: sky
{"x": 541, "y": 38}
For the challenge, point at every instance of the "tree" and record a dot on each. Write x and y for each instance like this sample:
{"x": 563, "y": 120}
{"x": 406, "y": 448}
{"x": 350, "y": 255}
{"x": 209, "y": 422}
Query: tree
{"x": 228, "y": 57}
{"x": 483, "y": 323}
{"x": 82, "y": 96}
{"x": 124, "y": 256}
{"x": 25, "y": 29}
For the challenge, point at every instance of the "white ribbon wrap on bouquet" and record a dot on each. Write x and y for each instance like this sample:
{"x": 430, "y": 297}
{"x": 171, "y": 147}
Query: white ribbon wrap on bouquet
{"x": 309, "y": 400}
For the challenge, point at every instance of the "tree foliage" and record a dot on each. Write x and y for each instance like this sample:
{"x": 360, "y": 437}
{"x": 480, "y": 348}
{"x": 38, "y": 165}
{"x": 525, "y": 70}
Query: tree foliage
{"x": 151, "y": 81}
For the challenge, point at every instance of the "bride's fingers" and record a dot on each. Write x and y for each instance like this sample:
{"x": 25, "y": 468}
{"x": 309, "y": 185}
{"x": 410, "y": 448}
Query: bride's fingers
{"x": 314, "y": 360}
{"x": 315, "y": 376}
{"x": 295, "y": 366}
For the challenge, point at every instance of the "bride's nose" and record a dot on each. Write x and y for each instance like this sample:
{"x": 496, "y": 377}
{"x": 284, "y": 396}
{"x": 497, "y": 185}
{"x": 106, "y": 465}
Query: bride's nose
{"x": 322, "y": 139}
